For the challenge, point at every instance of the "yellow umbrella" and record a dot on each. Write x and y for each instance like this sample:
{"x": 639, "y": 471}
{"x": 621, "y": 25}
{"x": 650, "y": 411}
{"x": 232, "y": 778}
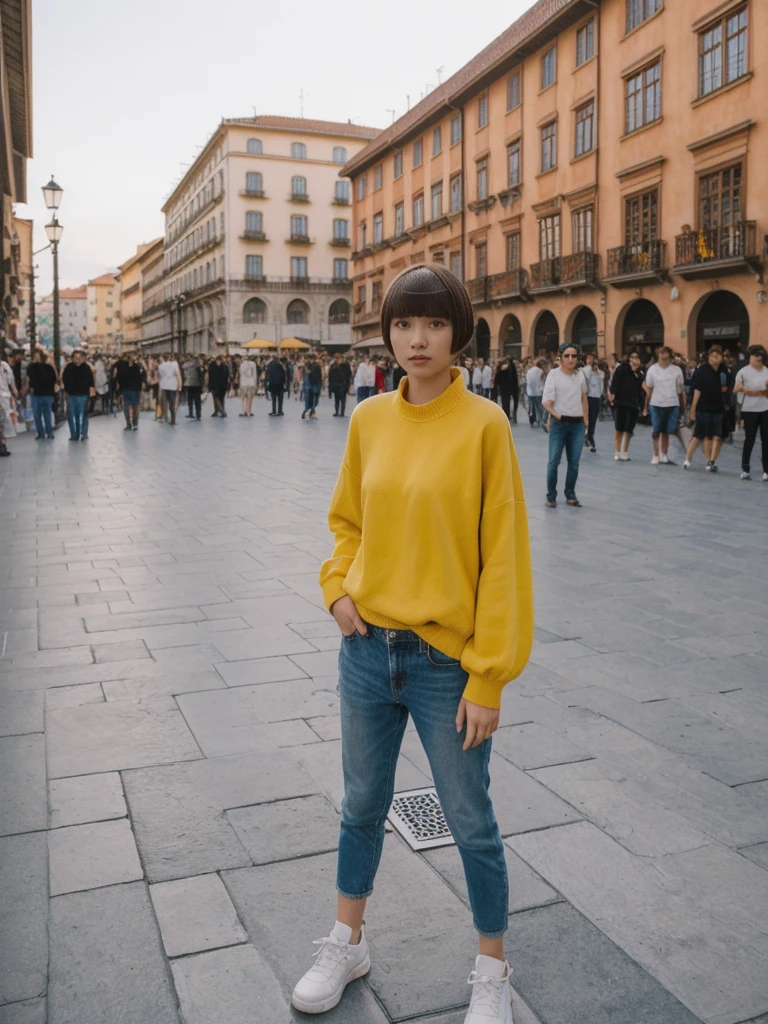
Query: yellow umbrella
{"x": 293, "y": 343}
{"x": 259, "y": 343}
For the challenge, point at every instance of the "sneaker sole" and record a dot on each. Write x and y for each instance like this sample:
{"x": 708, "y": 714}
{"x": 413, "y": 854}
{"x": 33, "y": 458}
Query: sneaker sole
{"x": 329, "y": 1004}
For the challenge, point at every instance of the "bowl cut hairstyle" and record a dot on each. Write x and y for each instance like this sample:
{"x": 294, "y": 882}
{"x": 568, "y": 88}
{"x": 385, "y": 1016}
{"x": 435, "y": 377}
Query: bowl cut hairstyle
{"x": 432, "y": 290}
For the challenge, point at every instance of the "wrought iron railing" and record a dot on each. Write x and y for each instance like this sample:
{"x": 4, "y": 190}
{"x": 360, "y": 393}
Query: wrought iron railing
{"x": 707, "y": 245}
{"x": 638, "y": 258}
{"x": 546, "y": 273}
{"x": 478, "y": 289}
{"x": 509, "y": 284}
{"x": 578, "y": 267}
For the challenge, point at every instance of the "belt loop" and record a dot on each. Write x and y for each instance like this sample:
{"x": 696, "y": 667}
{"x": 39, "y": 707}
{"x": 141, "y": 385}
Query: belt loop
{"x": 422, "y": 645}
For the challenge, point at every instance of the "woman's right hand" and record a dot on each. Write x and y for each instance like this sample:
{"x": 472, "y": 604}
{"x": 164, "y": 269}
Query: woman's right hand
{"x": 347, "y": 616}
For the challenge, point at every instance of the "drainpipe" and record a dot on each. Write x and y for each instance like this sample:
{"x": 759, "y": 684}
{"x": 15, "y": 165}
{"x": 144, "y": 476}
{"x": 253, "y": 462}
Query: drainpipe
{"x": 603, "y": 290}
{"x": 460, "y": 112}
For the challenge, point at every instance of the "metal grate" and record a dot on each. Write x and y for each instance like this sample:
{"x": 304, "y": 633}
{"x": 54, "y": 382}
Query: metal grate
{"x": 418, "y": 817}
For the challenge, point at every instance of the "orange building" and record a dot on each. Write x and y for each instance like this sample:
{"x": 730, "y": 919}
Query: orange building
{"x": 593, "y": 174}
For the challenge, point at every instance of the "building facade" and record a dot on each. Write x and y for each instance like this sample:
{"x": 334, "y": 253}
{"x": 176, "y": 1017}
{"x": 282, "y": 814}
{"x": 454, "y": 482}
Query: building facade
{"x": 155, "y": 312}
{"x": 131, "y": 295}
{"x": 104, "y": 329}
{"x": 258, "y": 236}
{"x": 18, "y": 325}
{"x": 596, "y": 173}
{"x": 73, "y": 318}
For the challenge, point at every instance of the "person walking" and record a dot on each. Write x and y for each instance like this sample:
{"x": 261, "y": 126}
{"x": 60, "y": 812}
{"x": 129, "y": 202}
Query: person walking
{"x": 218, "y": 385}
{"x": 339, "y": 380}
{"x": 534, "y": 389}
{"x": 79, "y": 385}
{"x": 664, "y": 399}
{"x": 752, "y": 383}
{"x": 506, "y": 385}
{"x": 246, "y": 383}
{"x": 709, "y": 388}
{"x": 482, "y": 378}
{"x": 595, "y": 379}
{"x": 625, "y": 393}
{"x": 129, "y": 377}
{"x": 565, "y": 399}
{"x": 365, "y": 380}
{"x": 43, "y": 383}
{"x": 275, "y": 384}
{"x": 170, "y": 385}
{"x": 406, "y": 650}
{"x": 313, "y": 384}
{"x": 192, "y": 379}
{"x": 8, "y": 393}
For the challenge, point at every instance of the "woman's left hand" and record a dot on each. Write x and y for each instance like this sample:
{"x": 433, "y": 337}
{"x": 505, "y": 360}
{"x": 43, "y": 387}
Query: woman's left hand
{"x": 481, "y": 722}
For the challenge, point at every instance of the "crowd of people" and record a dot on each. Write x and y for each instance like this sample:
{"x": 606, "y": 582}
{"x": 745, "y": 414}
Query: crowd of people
{"x": 701, "y": 402}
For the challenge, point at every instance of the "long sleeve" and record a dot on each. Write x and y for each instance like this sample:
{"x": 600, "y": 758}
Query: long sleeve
{"x": 499, "y": 649}
{"x": 345, "y": 520}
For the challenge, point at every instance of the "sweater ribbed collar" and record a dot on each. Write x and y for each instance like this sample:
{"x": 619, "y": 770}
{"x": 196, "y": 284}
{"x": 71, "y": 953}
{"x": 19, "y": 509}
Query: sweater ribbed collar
{"x": 453, "y": 395}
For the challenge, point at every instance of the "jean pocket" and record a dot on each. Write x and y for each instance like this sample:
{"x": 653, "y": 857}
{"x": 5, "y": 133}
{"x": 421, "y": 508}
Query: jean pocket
{"x": 350, "y": 637}
{"x": 442, "y": 660}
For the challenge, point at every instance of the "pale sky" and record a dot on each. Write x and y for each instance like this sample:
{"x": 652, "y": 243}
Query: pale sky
{"x": 125, "y": 92}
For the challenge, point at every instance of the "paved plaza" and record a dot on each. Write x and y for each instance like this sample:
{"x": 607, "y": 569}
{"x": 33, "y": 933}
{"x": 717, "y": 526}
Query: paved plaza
{"x": 170, "y": 757}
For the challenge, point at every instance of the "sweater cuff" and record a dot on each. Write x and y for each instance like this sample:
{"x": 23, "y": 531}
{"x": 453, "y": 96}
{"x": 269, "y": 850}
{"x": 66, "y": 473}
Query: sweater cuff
{"x": 480, "y": 691}
{"x": 333, "y": 589}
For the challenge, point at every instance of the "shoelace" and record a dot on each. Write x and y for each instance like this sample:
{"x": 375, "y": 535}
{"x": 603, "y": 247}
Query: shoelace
{"x": 487, "y": 996}
{"x": 331, "y": 953}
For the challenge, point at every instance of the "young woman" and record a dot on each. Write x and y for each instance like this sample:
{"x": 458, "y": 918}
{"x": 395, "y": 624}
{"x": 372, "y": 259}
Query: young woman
{"x": 430, "y": 585}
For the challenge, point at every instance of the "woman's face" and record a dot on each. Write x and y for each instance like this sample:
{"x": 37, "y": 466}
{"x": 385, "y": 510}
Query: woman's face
{"x": 422, "y": 344}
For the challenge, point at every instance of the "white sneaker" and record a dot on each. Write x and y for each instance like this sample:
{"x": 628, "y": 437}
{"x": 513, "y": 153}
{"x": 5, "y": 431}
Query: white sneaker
{"x": 687, "y": 464}
{"x": 336, "y": 964}
{"x": 765, "y": 478}
{"x": 745, "y": 475}
{"x": 491, "y": 1001}
{"x": 617, "y": 457}
{"x": 663, "y": 459}
{"x": 625, "y": 457}
{"x": 655, "y": 460}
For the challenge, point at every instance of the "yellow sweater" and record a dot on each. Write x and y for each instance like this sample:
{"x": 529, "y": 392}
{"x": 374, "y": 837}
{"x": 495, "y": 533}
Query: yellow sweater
{"x": 432, "y": 534}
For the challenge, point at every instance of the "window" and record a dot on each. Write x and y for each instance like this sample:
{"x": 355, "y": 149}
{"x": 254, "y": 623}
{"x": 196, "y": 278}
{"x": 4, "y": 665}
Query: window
{"x": 376, "y": 296}
{"x": 363, "y": 229}
{"x": 418, "y": 153}
{"x": 109, "y": 305}
{"x": 549, "y": 237}
{"x": 437, "y": 201}
{"x": 340, "y": 270}
{"x": 207, "y": 272}
{"x": 581, "y": 224}
{"x": 639, "y": 11}
{"x": 585, "y": 128}
{"x": 255, "y": 311}
{"x": 298, "y": 310}
{"x": 377, "y": 177}
{"x": 723, "y": 52}
{"x": 455, "y": 193}
{"x": 455, "y": 129}
{"x": 513, "y": 251}
{"x": 361, "y": 296}
{"x": 455, "y": 264}
{"x": 643, "y": 97}
{"x": 513, "y": 91}
{"x": 549, "y": 68}
{"x": 513, "y": 164}
{"x": 254, "y": 183}
{"x": 418, "y": 211}
{"x": 298, "y": 269}
{"x": 481, "y": 260}
{"x": 585, "y": 43}
{"x": 482, "y": 111}
{"x": 298, "y": 186}
{"x": 437, "y": 141}
{"x": 641, "y": 218}
{"x": 341, "y": 229}
{"x": 341, "y": 192}
{"x": 298, "y": 226}
{"x": 378, "y": 228}
{"x": 339, "y": 155}
{"x": 720, "y": 198}
{"x": 362, "y": 186}
{"x": 253, "y": 266}
{"x": 253, "y": 223}
{"x": 398, "y": 162}
{"x": 549, "y": 146}
{"x": 254, "y": 147}
{"x": 482, "y": 178}
{"x": 399, "y": 219}
{"x": 298, "y": 151}
{"x": 109, "y": 320}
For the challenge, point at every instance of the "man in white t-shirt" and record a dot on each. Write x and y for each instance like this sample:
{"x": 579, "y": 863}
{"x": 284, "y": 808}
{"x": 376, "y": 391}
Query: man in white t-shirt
{"x": 663, "y": 386}
{"x": 565, "y": 399}
{"x": 752, "y": 382}
{"x": 534, "y": 388}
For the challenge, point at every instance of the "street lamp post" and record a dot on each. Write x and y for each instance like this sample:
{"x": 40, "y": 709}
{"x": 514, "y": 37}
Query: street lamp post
{"x": 179, "y": 303}
{"x": 52, "y": 194}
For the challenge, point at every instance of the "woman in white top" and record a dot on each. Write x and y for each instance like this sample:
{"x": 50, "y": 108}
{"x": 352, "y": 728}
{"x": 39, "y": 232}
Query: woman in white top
{"x": 752, "y": 382}
{"x": 245, "y": 381}
{"x": 565, "y": 399}
{"x": 170, "y": 386}
{"x": 595, "y": 379}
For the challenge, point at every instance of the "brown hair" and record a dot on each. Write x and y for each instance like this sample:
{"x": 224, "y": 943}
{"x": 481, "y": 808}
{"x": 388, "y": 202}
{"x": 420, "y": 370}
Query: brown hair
{"x": 714, "y": 348}
{"x": 432, "y": 290}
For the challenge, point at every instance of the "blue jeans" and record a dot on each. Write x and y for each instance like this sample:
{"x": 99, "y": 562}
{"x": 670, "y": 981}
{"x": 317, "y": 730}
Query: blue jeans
{"x": 131, "y": 402}
{"x": 42, "y": 406}
{"x": 311, "y": 396}
{"x": 664, "y": 419}
{"x": 363, "y": 393}
{"x": 77, "y": 415}
{"x": 568, "y": 436}
{"x": 535, "y": 410}
{"x": 383, "y": 677}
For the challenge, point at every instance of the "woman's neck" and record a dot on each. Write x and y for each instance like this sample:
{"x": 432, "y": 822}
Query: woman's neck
{"x": 422, "y": 390}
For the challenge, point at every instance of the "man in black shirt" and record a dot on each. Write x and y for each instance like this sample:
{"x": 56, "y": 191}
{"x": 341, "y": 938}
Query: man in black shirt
{"x": 79, "y": 384}
{"x": 709, "y": 386}
{"x": 129, "y": 376}
{"x": 274, "y": 382}
{"x": 339, "y": 381}
{"x": 218, "y": 385}
{"x": 625, "y": 393}
{"x": 42, "y": 384}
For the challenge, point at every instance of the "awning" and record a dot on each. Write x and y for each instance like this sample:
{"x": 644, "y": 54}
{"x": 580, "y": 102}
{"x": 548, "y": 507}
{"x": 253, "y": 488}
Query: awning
{"x": 293, "y": 343}
{"x": 370, "y": 343}
{"x": 259, "y": 343}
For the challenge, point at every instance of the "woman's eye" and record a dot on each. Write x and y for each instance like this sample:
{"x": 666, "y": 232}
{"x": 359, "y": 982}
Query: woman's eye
{"x": 437, "y": 323}
{"x": 402, "y": 324}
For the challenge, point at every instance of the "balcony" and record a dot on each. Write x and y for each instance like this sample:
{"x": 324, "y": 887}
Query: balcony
{"x": 478, "y": 290}
{"x": 562, "y": 273}
{"x": 712, "y": 252}
{"x": 254, "y": 236}
{"x": 361, "y": 315}
{"x": 300, "y": 240}
{"x": 253, "y": 193}
{"x": 511, "y": 285}
{"x": 299, "y": 197}
{"x": 340, "y": 202}
{"x": 290, "y": 284}
{"x": 633, "y": 265}
{"x": 341, "y": 243}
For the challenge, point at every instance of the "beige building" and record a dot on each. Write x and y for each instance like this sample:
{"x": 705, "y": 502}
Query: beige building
{"x": 155, "y": 313}
{"x": 21, "y": 262}
{"x": 596, "y": 173}
{"x": 258, "y": 235}
{"x": 131, "y": 295}
{"x": 73, "y": 317}
{"x": 104, "y": 330}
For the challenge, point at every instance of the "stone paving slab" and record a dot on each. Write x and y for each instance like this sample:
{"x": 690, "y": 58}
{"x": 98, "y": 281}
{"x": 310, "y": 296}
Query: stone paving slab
{"x": 195, "y": 914}
{"x": 21, "y": 713}
{"x": 286, "y": 829}
{"x": 87, "y": 798}
{"x": 31, "y": 1011}
{"x": 23, "y": 917}
{"x": 23, "y": 801}
{"x": 72, "y": 696}
{"x": 532, "y": 746}
{"x": 259, "y": 670}
{"x": 93, "y": 936}
{"x": 91, "y": 856}
{"x": 228, "y": 986}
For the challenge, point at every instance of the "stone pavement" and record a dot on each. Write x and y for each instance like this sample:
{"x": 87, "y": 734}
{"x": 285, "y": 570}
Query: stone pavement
{"x": 170, "y": 762}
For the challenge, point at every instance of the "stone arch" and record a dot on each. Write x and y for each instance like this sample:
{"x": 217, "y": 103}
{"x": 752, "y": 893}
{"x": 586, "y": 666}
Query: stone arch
{"x": 298, "y": 312}
{"x": 719, "y": 318}
{"x": 510, "y": 337}
{"x": 338, "y": 313}
{"x": 481, "y": 340}
{"x": 581, "y": 327}
{"x": 255, "y": 311}
{"x": 545, "y": 334}
{"x": 640, "y": 326}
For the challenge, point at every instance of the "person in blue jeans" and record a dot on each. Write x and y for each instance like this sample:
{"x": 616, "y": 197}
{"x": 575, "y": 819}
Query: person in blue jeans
{"x": 43, "y": 380}
{"x": 79, "y": 385}
{"x": 565, "y": 399}
{"x": 313, "y": 385}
